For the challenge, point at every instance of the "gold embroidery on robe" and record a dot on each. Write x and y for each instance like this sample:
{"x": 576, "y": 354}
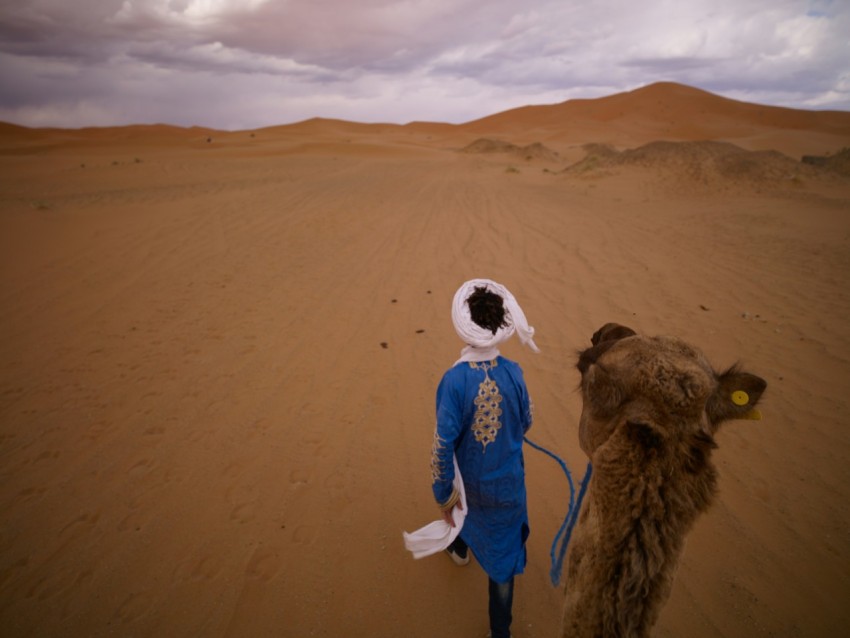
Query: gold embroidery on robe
{"x": 436, "y": 466}
{"x": 486, "y": 423}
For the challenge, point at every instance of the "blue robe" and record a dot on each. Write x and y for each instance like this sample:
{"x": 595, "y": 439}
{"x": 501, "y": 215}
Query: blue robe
{"x": 483, "y": 412}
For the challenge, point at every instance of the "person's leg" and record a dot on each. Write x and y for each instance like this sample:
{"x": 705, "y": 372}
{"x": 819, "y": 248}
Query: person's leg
{"x": 458, "y": 547}
{"x": 458, "y": 551}
{"x": 501, "y": 602}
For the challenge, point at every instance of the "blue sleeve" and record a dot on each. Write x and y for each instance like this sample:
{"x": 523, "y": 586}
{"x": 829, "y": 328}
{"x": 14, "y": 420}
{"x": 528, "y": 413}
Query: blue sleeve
{"x": 446, "y": 433}
{"x": 527, "y": 409}
{"x": 526, "y": 406}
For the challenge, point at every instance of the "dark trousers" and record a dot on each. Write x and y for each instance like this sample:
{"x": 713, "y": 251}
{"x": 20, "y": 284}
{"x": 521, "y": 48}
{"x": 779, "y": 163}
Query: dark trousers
{"x": 501, "y": 598}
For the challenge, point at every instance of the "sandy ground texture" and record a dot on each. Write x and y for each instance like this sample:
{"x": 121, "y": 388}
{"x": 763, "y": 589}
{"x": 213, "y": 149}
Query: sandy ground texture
{"x": 220, "y": 352}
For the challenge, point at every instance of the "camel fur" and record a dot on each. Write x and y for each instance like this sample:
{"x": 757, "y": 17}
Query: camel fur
{"x": 651, "y": 407}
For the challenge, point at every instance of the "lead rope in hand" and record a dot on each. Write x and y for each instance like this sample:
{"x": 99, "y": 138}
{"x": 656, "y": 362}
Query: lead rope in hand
{"x": 566, "y": 530}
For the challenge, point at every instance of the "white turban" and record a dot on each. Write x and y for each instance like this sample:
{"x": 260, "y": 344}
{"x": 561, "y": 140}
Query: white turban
{"x": 481, "y": 342}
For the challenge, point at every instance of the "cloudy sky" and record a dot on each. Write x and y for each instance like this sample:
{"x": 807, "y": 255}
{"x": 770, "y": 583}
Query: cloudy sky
{"x": 237, "y": 64}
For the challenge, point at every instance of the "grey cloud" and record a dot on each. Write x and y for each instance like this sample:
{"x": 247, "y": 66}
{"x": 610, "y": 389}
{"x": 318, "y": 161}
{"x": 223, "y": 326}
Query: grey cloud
{"x": 216, "y": 58}
{"x": 44, "y": 28}
{"x": 666, "y": 66}
{"x": 369, "y": 35}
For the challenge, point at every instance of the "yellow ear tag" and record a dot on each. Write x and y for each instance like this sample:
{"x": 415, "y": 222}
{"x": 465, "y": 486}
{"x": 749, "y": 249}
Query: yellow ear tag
{"x": 739, "y": 397}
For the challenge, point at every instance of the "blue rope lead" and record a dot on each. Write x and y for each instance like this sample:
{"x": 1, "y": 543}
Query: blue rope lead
{"x": 566, "y": 530}
{"x": 572, "y": 516}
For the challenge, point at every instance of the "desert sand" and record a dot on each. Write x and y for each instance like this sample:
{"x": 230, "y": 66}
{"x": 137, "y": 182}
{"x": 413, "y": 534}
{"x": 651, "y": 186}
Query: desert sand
{"x": 220, "y": 352}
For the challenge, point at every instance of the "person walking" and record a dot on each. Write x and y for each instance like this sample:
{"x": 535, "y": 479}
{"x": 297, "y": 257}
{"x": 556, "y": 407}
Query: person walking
{"x": 483, "y": 413}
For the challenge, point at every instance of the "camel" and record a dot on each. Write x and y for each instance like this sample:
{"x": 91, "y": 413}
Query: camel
{"x": 651, "y": 407}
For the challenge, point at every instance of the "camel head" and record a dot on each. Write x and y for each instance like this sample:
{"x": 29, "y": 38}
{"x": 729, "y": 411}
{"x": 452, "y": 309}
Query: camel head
{"x": 651, "y": 408}
{"x": 659, "y": 387}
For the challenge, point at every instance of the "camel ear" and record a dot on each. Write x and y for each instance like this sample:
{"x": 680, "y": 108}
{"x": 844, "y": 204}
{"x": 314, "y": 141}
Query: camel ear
{"x": 602, "y": 340}
{"x": 736, "y": 397}
{"x": 611, "y": 332}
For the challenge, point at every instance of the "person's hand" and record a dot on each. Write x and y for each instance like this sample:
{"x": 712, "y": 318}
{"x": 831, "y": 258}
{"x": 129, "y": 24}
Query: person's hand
{"x": 447, "y": 514}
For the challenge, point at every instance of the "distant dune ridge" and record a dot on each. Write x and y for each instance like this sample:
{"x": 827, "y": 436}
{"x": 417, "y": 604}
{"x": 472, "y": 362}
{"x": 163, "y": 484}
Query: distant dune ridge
{"x": 220, "y": 351}
{"x": 661, "y": 111}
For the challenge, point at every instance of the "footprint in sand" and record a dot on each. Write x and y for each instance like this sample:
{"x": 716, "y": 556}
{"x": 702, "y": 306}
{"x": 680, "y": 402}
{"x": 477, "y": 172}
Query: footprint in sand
{"x": 97, "y": 429}
{"x": 243, "y": 499}
{"x": 47, "y": 455}
{"x": 58, "y": 583}
{"x": 761, "y": 490}
{"x": 206, "y": 568}
{"x": 243, "y": 513}
{"x": 30, "y": 493}
{"x": 197, "y": 568}
{"x": 263, "y": 565}
{"x": 233, "y": 470}
{"x": 141, "y": 467}
{"x": 83, "y": 524}
{"x": 155, "y": 430}
{"x": 11, "y": 572}
{"x": 300, "y": 476}
{"x": 134, "y": 607}
{"x": 137, "y": 518}
{"x": 198, "y": 436}
{"x": 322, "y": 451}
{"x": 133, "y": 522}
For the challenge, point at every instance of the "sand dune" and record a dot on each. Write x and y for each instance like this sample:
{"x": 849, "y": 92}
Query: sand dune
{"x": 672, "y": 112}
{"x": 711, "y": 168}
{"x": 220, "y": 352}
